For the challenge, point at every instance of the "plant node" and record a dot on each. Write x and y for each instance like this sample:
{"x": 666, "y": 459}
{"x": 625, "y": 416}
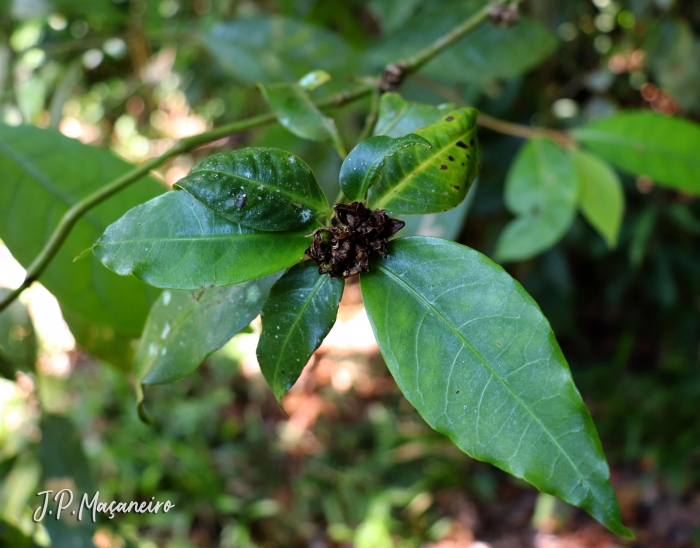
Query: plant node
{"x": 344, "y": 248}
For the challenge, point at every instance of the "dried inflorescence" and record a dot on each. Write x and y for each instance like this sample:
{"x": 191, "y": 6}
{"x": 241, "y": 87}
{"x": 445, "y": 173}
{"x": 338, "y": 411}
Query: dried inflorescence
{"x": 344, "y": 249}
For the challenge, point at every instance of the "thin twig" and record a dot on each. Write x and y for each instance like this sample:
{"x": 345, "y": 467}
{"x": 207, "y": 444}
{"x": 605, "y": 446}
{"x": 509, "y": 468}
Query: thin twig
{"x": 494, "y": 124}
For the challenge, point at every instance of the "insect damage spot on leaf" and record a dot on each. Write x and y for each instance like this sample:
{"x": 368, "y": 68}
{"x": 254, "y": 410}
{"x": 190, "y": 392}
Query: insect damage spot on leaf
{"x": 450, "y": 118}
{"x": 462, "y": 144}
{"x": 344, "y": 249}
{"x": 443, "y": 166}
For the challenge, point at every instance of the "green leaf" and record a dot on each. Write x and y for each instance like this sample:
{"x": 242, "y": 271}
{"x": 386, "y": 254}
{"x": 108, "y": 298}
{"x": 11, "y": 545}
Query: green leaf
{"x": 427, "y": 180}
{"x": 175, "y": 242}
{"x": 398, "y": 117}
{"x": 184, "y": 327}
{"x": 261, "y": 188}
{"x": 297, "y": 112}
{"x": 475, "y": 356}
{"x": 484, "y": 55}
{"x": 13, "y": 536}
{"x": 276, "y": 49}
{"x": 362, "y": 168}
{"x": 18, "y": 346}
{"x": 314, "y": 79}
{"x": 44, "y": 174}
{"x": 296, "y": 318}
{"x": 541, "y": 189}
{"x": 63, "y": 463}
{"x": 600, "y": 196}
{"x": 643, "y": 143}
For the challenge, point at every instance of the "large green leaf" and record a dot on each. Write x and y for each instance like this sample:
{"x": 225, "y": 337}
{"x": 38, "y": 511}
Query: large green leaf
{"x": 644, "y": 143}
{"x": 541, "y": 189}
{"x": 262, "y": 188}
{"x": 296, "y": 318}
{"x": 184, "y": 327}
{"x": 427, "y": 180}
{"x": 43, "y": 174}
{"x": 600, "y": 196}
{"x": 362, "y": 168}
{"x": 298, "y": 113}
{"x": 398, "y": 117}
{"x": 17, "y": 339}
{"x": 485, "y": 54}
{"x": 276, "y": 49}
{"x": 173, "y": 241}
{"x": 474, "y": 354}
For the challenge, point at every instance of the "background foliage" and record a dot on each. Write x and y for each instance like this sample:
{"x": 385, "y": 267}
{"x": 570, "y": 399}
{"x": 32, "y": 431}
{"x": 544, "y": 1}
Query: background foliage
{"x": 352, "y": 462}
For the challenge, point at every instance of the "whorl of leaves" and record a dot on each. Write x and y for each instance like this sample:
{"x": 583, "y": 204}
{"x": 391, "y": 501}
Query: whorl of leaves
{"x": 344, "y": 249}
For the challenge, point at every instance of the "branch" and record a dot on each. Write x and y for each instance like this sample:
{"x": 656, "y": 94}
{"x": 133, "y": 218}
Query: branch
{"x": 404, "y": 68}
{"x": 395, "y": 73}
{"x": 562, "y": 138}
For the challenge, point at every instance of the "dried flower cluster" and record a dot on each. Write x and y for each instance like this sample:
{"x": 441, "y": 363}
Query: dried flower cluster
{"x": 343, "y": 250}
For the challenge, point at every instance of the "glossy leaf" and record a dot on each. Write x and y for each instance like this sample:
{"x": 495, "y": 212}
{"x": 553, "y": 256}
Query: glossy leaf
{"x": 297, "y": 112}
{"x": 296, "y": 318}
{"x": 276, "y": 49}
{"x": 644, "y": 143}
{"x": 541, "y": 189}
{"x": 473, "y": 353}
{"x": 43, "y": 174}
{"x": 485, "y": 54}
{"x": 362, "y": 168}
{"x": 427, "y": 180}
{"x": 600, "y": 196}
{"x": 261, "y": 188}
{"x": 184, "y": 327}
{"x": 397, "y": 117}
{"x": 18, "y": 346}
{"x": 175, "y": 242}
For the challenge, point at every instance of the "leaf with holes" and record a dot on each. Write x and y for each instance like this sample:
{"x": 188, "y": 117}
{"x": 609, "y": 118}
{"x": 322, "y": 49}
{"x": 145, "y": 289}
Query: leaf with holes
{"x": 298, "y": 113}
{"x": 473, "y": 353}
{"x": 600, "y": 195}
{"x": 362, "y": 168}
{"x": 261, "y": 188}
{"x": 398, "y": 117}
{"x": 184, "y": 327}
{"x": 653, "y": 145}
{"x": 296, "y": 318}
{"x": 541, "y": 189}
{"x": 175, "y": 242}
{"x": 44, "y": 173}
{"x": 427, "y": 180}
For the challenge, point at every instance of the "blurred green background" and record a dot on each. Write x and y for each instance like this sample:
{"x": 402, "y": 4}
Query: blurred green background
{"x": 350, "y": 463}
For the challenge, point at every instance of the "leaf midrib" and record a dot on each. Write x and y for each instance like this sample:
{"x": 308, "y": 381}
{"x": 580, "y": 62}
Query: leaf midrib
{"x": 402, "y": 183}
{"x": 315, "y": 290}
{"x": 459, "y": 335}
